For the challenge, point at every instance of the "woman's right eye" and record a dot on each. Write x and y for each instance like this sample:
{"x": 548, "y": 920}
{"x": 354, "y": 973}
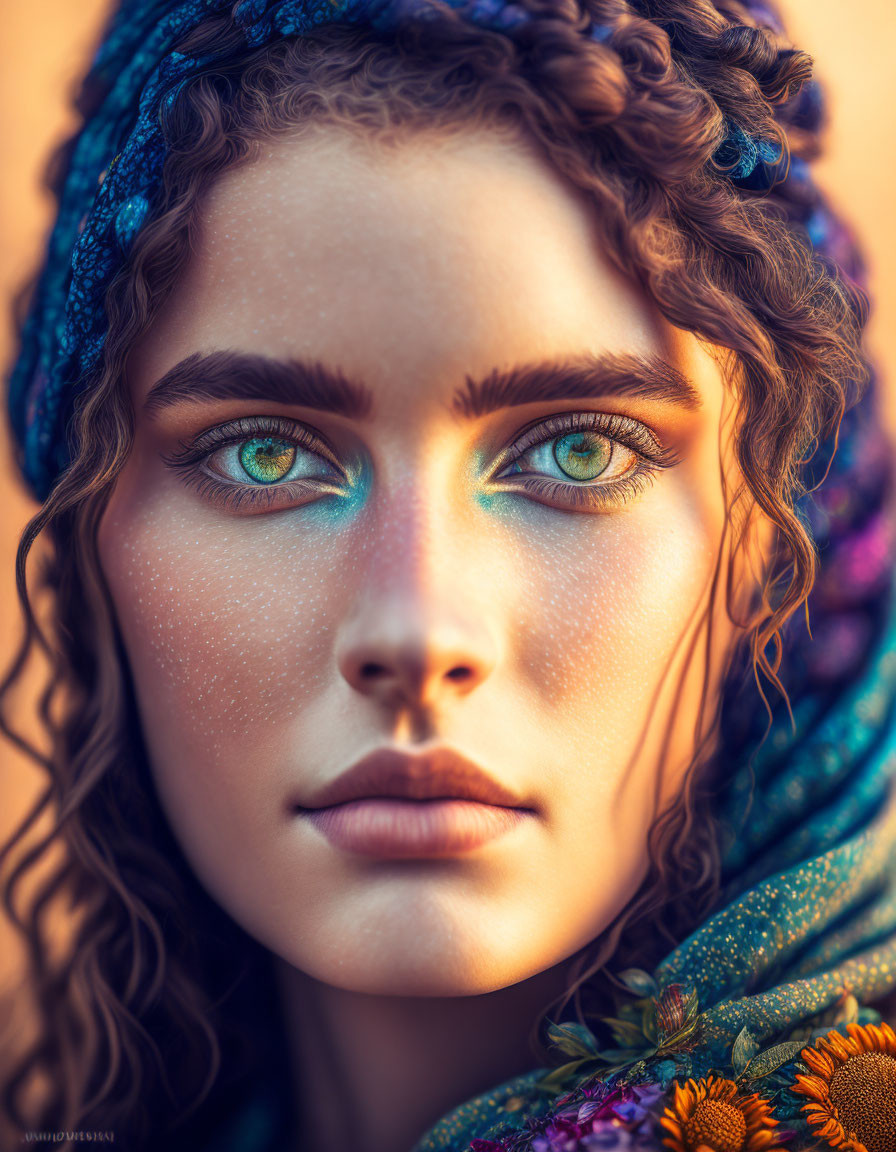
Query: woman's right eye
{"x": 260, "y": 465}
{"x": 267, "y": 460}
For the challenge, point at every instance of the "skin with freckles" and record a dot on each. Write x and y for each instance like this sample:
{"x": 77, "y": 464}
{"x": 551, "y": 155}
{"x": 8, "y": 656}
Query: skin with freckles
{"x": 420, "y": 576}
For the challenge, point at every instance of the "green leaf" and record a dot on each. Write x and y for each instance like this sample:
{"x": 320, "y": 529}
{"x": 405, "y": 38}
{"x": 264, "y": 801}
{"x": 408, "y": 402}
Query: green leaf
{"x": 631, "y": 1010}
{"x": 693, "y": 1006}
{"x": 572, "y": 1039}
{"x": 648, "y": 1020}
{"x": 771, "y": 1059}
{"x": 557, "y": 1078}
{"x": 639, "y": 982}
{"x": 625, "y": 1034}
{"x": 745, "y": 1048}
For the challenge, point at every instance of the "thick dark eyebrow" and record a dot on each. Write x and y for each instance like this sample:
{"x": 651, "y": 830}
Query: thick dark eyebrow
{"x": 247, "y": 376}
{"x": 228, "y": 375}
{"x": 627, "y": 375}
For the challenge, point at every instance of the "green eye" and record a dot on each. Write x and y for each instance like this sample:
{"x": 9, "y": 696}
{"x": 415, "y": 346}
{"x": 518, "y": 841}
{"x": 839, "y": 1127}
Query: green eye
{"x": 583, "y": 455}
{"x": 267, "y": 458}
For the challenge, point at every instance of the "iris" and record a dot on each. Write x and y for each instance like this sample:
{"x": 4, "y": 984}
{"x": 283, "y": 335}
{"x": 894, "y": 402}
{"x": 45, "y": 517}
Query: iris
{"x": 582, "y": 455}
{"x": 267, "y": 458}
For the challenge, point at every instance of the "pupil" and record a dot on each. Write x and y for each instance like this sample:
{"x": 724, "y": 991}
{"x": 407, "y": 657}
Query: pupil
{"x": 582, "y": 455}
{"x": 266, "y": 458}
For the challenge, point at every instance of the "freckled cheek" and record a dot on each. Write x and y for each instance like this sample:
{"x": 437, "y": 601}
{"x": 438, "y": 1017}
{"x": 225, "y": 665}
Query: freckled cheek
{"x": 608, "y": 605}
{"x": 225, "y": 629}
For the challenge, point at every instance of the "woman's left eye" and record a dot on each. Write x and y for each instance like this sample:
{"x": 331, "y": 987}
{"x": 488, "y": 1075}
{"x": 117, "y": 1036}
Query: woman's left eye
{"x": 590, "y": 461}
{"x": 578, "y": 456}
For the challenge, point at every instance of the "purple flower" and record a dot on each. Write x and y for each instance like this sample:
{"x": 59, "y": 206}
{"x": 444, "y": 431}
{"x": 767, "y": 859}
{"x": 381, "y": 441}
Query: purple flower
{"x": 560, "y": 1135}
{"x": 592, "y": 1117}
{"x": 619, "y": 1139}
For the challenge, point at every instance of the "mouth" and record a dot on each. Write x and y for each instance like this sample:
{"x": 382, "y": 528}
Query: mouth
{"x": 395, "y": 804}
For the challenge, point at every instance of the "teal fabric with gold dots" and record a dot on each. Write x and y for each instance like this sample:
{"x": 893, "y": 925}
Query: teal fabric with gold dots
{"x": 508, "y": 1106}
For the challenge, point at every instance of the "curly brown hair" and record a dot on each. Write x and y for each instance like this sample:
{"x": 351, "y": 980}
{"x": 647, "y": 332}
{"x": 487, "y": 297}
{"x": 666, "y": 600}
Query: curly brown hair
{"x": 140, "y": 1016}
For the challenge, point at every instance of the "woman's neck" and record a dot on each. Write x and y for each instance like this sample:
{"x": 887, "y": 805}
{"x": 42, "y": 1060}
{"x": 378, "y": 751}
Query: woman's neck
{"x": 373, "y": 1073}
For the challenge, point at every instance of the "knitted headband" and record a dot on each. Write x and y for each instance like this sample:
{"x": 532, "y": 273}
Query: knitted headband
{"x": 116, "y": 165}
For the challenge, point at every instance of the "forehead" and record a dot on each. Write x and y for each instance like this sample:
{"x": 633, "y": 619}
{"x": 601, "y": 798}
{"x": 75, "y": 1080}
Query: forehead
{"x": 432, "y": 258}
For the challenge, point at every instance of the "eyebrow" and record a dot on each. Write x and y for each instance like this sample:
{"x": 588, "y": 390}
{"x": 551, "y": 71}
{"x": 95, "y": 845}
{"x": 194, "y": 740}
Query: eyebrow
{"x": 611, "y": 374}
{"x": 248, "y": 376}
{"x": 228, "y": 375}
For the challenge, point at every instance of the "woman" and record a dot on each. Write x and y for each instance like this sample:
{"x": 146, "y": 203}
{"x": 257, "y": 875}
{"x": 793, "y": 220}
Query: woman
{"x": 434, "y": 408}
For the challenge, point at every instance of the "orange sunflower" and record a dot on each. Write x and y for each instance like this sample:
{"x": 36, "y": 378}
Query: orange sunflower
{"x": 710, "y": 1115}
{"x": 852, "y": 1089}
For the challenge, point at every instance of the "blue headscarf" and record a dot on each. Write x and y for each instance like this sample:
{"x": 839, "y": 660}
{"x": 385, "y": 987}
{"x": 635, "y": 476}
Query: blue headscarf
{"x": 806, "y": 927}
{"x": 115, "y": 171}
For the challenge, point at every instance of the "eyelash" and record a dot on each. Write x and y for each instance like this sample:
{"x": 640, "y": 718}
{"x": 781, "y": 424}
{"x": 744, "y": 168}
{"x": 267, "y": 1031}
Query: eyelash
{"x": 596, "y": 495}
{"x": 651, "y": 457}
{"x": 262, "y": 497}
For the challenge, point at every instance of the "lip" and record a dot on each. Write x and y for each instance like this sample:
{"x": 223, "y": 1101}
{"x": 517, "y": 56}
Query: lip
{"x": 398, "y": 804}
{"x": 436, "y": 774}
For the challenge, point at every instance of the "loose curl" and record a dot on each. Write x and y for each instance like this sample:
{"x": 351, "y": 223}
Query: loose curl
{"x": 140, "y": 1004}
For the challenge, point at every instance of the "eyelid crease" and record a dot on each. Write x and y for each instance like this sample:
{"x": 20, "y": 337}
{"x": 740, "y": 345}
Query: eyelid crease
{"x": 633, "y": 434}
{"x": 245, "y": 428}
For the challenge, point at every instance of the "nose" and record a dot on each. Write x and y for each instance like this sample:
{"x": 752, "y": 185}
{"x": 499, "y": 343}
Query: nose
{"x": 404, "y": 654}
{"x": 417, "y": 637}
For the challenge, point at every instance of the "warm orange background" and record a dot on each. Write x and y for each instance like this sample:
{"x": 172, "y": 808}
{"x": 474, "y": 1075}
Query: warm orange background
{"x": 44, "y": 43}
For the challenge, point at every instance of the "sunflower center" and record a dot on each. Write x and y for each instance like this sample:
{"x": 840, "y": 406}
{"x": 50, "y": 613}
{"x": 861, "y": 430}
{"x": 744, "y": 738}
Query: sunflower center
{"x": 863, "y": 1090}
{"x": 720, "y": 1126}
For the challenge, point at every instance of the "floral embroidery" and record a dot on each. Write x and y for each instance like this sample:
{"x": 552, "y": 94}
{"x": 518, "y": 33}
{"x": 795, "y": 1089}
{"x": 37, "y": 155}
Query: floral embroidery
{"x": 850, "y": 1082}
{"x": 595, "y": 1115}
{"x": 647, "y": 1032}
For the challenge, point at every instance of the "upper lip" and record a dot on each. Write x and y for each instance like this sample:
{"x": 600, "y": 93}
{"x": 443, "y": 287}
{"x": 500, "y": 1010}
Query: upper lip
{"x": 431, "y": 775}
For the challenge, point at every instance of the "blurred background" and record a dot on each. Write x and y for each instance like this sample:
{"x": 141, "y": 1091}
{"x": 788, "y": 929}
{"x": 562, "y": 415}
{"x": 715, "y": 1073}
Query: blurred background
{"x": 44, "y": 44}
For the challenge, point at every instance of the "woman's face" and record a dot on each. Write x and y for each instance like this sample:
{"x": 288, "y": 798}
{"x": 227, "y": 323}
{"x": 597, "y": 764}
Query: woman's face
{"x": 418, "y": 480}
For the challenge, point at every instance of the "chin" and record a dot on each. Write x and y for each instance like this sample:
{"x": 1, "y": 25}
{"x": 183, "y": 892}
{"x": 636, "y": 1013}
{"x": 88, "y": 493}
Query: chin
{"x": 404, "y": 978}
{"x": 432, "y": 958}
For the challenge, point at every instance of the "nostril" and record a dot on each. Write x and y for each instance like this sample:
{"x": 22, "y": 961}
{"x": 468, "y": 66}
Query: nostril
{"x": 413, "y": 676}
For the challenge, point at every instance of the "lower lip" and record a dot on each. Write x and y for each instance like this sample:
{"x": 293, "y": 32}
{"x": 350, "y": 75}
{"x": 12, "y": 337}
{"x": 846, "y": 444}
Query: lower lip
{"x": 407, "y": 828}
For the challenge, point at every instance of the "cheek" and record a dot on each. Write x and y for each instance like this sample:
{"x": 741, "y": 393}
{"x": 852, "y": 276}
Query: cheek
{"x": 611, "y": 601}
{"x": 223, "y": 625}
